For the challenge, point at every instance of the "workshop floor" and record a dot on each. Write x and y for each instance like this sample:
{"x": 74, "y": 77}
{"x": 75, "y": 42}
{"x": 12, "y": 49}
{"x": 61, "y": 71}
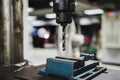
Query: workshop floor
{"x": 37, "y": 56}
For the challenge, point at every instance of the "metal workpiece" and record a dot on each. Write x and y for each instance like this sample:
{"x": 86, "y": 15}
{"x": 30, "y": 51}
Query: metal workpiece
{"x": 80, "y": 61}
{"x": 72, "y": 68}
{"x": 11, "y": 31}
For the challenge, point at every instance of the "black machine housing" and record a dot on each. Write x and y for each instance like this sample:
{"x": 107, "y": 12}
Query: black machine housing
{"x": 64, "y": 10}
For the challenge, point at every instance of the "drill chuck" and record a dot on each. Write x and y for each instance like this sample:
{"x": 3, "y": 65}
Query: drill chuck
{"x": 64, "y": 10}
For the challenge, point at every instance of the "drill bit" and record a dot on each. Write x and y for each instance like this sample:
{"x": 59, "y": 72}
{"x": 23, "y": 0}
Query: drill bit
{"x": 64, "y": 38}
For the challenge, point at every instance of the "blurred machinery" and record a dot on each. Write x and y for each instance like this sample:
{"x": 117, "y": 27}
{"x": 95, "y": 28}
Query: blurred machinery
{"x": 42, "y": 35}
{"x": 11, "y": 38}
{"x": 110, "y": 38}
{"x": 83, "y": 68}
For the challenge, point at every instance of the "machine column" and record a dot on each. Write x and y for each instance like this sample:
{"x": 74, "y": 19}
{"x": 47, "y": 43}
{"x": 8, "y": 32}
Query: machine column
{"x": 11, "y": 32}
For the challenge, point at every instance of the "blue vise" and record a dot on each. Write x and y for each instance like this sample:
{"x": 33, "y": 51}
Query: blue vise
{"x": 72, "y": 68}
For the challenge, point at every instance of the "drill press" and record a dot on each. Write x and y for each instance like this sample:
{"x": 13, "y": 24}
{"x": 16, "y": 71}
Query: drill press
{"x": 83, "y": 68}
{"x": 64, "y": 10}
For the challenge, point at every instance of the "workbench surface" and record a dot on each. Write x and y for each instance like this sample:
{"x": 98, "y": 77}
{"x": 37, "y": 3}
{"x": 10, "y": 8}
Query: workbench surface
{"x": 31, "y": 73}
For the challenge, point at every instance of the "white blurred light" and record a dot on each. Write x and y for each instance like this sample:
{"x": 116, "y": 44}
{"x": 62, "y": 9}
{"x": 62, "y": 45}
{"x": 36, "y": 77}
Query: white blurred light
{"x": 38, "y": 23}
{"x": 76, "y": 3}
{"x": 53, "y": 22}
{"x": 41, "y": 32}
{"x": 85, "y": 21}
{"x": 30, "y": 9}
{"x": 32, "y": 18}
{"x": 50, "y": 16}
{"x": 93, "y": 11}
{"x": 51, "y": 4}
{"x": 46, "y": 36}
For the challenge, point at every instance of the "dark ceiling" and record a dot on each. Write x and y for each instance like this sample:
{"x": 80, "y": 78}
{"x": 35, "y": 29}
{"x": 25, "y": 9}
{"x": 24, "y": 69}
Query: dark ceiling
{"x": 38, "y": 4}
{"x": 100, "y": 3}
{"x": 42, "y": 7}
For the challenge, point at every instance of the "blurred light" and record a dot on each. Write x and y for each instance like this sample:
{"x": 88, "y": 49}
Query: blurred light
{"x": 32, "y": 18}
{"x": 51, "y": 3}
{"x": 30, "y": 9}
{"x": 85, "y": 21}
{"x": 93, "y": 12}
{"x": 112, "y": 14}
{"x": 50, "y": 16}
{"x": 38, "y": 23}
{"x": 115, "y": 13}
{"x": 76, "y": 3}
{"x": 46, "y": 36}
{"x": 41, "y": 32}
{"x": 53, "y": 22}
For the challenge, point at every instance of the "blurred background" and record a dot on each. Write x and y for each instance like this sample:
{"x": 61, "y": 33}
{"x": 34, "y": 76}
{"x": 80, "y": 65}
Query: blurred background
{"x": 95, "y": 29}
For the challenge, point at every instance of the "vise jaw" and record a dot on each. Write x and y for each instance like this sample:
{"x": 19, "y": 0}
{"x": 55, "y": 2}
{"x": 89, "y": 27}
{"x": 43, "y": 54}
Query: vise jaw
{"x": 72, "y": 68}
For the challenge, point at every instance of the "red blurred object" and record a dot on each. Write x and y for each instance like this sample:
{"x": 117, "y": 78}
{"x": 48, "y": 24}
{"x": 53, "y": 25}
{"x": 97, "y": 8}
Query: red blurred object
{"x": 87, "y": 40}
{"x": 110, "y": 14}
